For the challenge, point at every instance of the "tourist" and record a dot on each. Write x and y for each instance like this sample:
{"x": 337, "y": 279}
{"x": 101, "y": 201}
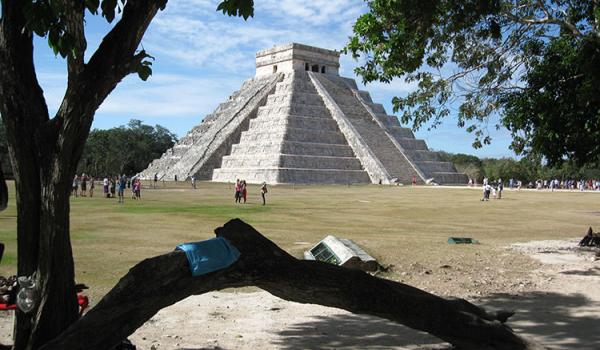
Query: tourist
{"x": 193, "y": 178}
{"x": 113, "y": 185}
{"x": 84, "y": 180}
{"x": 155, "y": 179}
{"x": 75, "y": 186}
{"x": 263, "y": 192}
{"x": 500, "y": 188}
{"x": 91, "y": 186}
{"x": 137, "y": 186}
{"x": 486, "y": 192}
{"x": 122, "y": 186}
{"x": 105, "y": 186}
{"x": 133, "y": 188}
{"x": 238, "y": 191}
{"x": 414, "y": 181}
{"x": 244, "y": 190}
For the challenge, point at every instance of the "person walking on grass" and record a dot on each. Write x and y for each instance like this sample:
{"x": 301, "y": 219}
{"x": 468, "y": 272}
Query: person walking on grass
{"x": 500, "y": 188}
{"x": 263, "y": 192}
{"x": 113, "y": 185}
{"x": 75, "y": 186}
{"x": 133, "y": 188}
{"x": 84, "y": 181}
{"x": 244, "y": 190}
{"x": 193, "y": 178}
{"x": 91, "y": 186}
{"x": 122, "y": 186}
{"x": 137, "y": 187}
{"x": 238, "y": 191}
{"x": 105, "y": 187}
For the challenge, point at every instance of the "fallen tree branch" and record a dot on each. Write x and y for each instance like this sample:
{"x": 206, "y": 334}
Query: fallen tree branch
{"x": 164, "y": 280}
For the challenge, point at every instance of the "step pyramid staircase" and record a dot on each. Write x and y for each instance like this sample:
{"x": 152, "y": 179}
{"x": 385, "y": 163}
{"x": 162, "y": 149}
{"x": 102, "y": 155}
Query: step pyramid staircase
{"x": 294, "y": 139}
{"x": 200, "y": 151}
{"x": 298, "y": 121}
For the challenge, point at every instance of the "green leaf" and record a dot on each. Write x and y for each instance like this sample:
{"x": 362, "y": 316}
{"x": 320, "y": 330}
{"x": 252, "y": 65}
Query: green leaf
{"x": 241, "y": 8}
{"x": 144, "y": 71}
{"x": 108, "y": 9}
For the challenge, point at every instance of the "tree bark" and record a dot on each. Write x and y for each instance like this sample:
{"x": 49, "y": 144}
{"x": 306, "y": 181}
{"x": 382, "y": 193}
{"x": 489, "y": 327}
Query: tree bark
{"x": 3, "y": 191}
{"x": 166, "y": 279}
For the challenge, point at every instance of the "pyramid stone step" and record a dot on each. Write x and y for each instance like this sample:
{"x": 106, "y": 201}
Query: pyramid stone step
{"x": 298, "y": 122}
{"x": 293, "y": 109}
{"x": 423, "y": 155}
{"x": 302, "y": 98}
{"x": 293, "y": 147}
{"x": 401, "y": 133}
{"x": 291, "y": 161}
{"x": 313, "y": 148}
{"x": 412, "y": 144}
{"x": 436, "y": 166}
{"x": 294, "y": 134}
{"x": 450, "y": 178}
{"x": 377, "y": 108}
{"x": 286, "y": 175}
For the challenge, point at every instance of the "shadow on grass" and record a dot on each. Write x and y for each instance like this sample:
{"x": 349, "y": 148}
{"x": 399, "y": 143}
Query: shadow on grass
{"x": 551, "y": 318}
{"x": 353, "y": 332}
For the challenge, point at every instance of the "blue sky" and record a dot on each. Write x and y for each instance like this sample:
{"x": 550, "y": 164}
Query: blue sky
{"x": 202, "y": 56}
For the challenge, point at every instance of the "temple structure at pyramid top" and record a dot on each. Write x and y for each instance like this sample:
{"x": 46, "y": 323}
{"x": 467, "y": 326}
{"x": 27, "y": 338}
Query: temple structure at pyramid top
{"x": 297, "y": 57}
{"x": 298, "y": 121}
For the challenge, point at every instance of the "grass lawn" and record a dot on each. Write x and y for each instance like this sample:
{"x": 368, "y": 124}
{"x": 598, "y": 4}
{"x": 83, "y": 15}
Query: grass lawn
{"x": 401, "y": 226}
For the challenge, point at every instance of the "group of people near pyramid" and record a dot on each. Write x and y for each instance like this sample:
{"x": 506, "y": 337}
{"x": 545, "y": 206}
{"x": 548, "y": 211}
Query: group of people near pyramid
{"x": 241, "y": 191}
{"x": 111, "y": 186}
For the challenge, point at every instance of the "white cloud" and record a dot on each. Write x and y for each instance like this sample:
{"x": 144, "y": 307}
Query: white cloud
{"x": 315, "y": 12}
{"x": 175, "y": 96}
{"x": 192, "y": 33}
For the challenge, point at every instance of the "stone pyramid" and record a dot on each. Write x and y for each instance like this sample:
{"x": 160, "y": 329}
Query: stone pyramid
{"x": 298, "y": 121}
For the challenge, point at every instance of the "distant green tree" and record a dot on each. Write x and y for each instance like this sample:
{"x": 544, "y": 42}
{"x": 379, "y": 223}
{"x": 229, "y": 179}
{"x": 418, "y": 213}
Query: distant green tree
{"x": 466, "y": 164}
{"x": 125, "y": 149}
{"x": 474, "y": 53}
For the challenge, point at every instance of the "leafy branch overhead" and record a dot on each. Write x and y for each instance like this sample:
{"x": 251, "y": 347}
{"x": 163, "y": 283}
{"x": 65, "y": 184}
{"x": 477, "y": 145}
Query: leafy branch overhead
{"x": 469, "y": 57}
{"x": 239, "y": 8}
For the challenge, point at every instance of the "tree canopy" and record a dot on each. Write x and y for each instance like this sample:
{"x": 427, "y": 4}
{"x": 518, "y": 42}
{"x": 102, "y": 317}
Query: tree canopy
{"x": 486, "y": 58}
{"x": 124, "y": 149}
{"x": 558, "y": 113}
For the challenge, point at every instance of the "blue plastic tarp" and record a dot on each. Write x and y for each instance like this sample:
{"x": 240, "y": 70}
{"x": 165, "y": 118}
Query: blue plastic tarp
{"x": 210, "y": 255}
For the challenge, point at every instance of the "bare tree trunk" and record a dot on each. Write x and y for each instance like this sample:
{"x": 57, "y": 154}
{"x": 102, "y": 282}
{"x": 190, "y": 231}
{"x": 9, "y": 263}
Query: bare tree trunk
{"x": 3, "y": 191}
{"x": 43, "y": 243}
{"x": 163, "y": 280}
